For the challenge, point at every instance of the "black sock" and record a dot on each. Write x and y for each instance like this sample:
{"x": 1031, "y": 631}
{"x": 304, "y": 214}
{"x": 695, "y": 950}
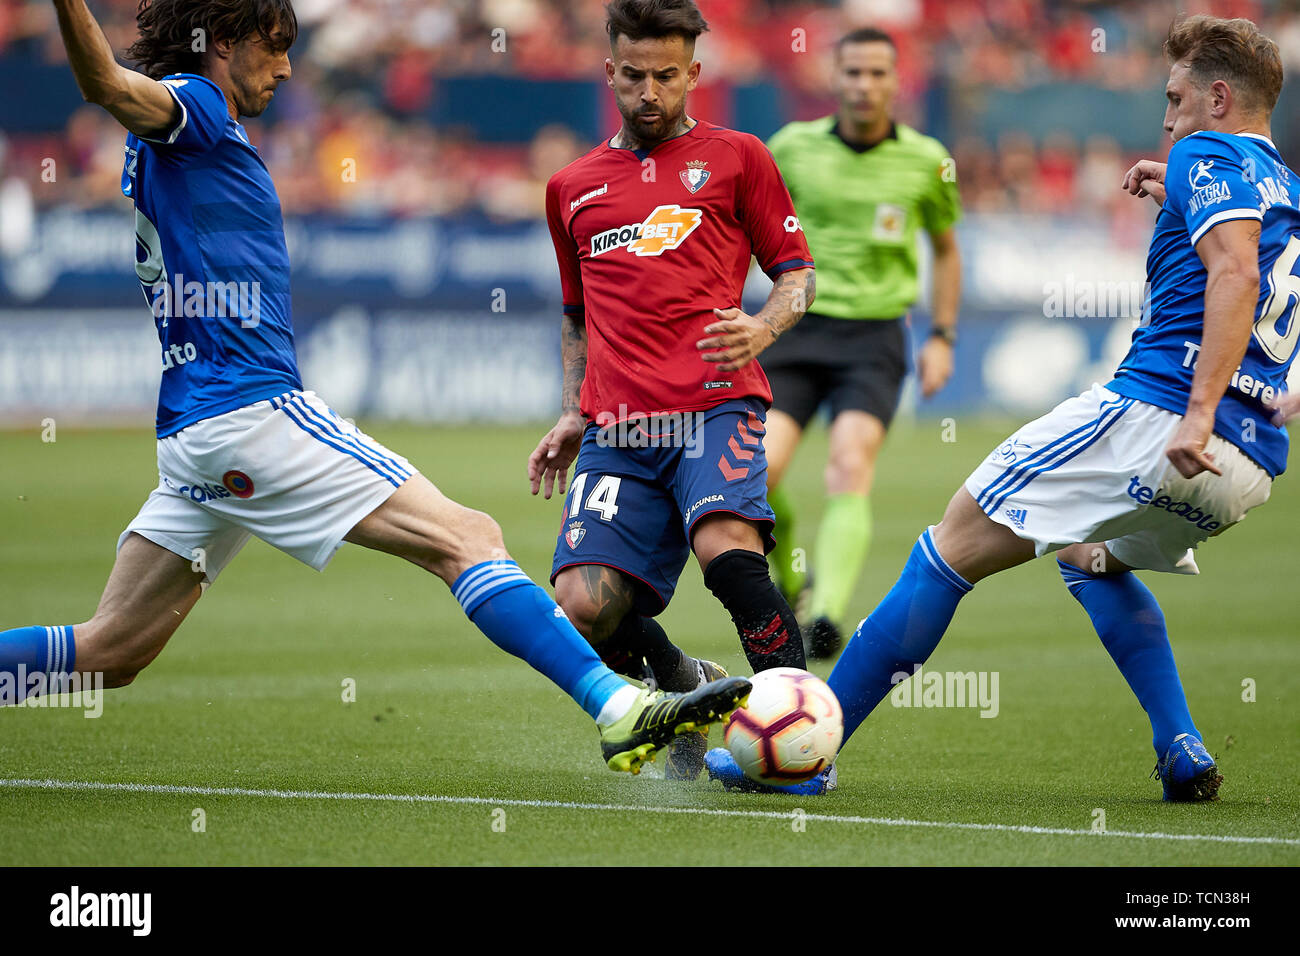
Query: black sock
{"x": 642, "y": 637}
{"x": 620, "y": 659}
{"x": 767, "y": 627}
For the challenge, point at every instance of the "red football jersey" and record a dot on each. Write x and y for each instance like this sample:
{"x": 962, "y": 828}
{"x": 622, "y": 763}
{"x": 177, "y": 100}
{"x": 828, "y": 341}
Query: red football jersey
{"x": 649, "y": 244}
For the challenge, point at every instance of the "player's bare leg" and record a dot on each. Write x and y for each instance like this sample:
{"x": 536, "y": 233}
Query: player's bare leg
{"x": 465, "y": 548}
{"x": 600, "y": 601}
{"x": 1131, "y": 626}
{"x": 718, "y": 533}
{"x": 973, "y": 544}
{"x": 596, "y": 598}
{"x": 421, "y": 524}
{"x": 1094, "y": 557}
{"x": 149, "y": 593}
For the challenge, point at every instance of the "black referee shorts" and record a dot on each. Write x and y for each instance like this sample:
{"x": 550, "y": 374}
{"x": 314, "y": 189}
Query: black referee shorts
{"x": 848, "y": 364}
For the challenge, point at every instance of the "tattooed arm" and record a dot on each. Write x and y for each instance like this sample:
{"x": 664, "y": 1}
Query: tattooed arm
{"x": 736, "y": 339}
{"x": 573, "y": 355}
{"x": 557, "y": 450}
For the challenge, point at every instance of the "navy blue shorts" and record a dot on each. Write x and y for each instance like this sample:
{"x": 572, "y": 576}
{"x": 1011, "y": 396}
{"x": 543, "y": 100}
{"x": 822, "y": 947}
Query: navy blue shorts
{"x": 639, "y": 488}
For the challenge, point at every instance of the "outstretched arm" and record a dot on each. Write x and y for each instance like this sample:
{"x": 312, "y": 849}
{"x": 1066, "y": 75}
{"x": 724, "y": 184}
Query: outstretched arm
{"x": 139, "y": 103}
{"x": 736, "y": 339}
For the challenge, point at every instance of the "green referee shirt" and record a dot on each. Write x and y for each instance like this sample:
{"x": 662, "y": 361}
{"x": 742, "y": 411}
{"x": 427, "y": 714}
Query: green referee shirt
{"x": 860, "y": 210}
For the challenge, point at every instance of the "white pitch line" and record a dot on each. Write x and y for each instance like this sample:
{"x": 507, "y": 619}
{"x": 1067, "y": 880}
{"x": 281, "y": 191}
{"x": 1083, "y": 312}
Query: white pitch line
{"x": 162, "y": 788}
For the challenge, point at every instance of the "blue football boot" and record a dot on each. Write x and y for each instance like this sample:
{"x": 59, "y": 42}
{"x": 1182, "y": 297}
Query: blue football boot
{"x": 1188, "y": 772}
{"x": 722, "y": 766}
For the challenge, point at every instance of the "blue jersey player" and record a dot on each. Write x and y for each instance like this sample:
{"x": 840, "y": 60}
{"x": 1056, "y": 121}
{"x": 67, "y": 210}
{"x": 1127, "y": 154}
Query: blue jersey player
{"x": 242, "y": 449}
{"x": 1177, "y": 448}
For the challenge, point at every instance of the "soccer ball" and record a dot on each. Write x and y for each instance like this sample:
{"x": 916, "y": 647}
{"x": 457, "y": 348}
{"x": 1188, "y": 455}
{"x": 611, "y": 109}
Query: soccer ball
{"x": 790, "y": 729}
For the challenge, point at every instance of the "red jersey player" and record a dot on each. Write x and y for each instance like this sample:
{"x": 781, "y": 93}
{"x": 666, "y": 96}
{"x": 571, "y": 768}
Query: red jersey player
{"x": 664, "y": 403}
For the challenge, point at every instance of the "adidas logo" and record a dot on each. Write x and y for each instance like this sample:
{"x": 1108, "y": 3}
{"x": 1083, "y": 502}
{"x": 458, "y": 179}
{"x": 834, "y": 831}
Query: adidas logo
{"x": 1017, "y": 517}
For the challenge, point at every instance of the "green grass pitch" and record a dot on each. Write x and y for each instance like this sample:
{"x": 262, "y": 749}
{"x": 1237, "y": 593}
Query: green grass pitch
{"x": 249, "y": 697}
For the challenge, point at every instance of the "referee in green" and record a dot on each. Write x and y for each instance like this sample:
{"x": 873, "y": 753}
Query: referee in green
{"x": 863, "y": 184}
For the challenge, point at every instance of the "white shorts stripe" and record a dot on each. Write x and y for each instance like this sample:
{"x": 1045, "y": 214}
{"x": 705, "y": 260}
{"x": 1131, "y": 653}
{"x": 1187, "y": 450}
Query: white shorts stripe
{"x": 311, "y": 421}
{"x": 294, "y": 415}
{"x": 1016, "y": 476}
{"x": 1065, "y": 454}
{"x": 315, "y": 419}
{"x": 1041, "y": 456}
{"x": 253, "y": 472}
{"x": 1094, "y": 470}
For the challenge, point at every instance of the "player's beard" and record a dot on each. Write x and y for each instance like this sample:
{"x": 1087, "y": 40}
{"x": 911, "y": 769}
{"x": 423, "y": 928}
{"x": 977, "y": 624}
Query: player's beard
{"x": 649, "y": 135}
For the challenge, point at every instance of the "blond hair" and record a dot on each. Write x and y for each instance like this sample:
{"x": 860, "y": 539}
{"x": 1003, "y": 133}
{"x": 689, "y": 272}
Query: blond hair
{"x": 1234, "y": 51}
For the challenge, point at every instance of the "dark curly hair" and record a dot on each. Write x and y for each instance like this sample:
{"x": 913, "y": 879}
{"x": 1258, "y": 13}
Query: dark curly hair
{"x": 654, "y": 19}
{"x": 170, "y": 30}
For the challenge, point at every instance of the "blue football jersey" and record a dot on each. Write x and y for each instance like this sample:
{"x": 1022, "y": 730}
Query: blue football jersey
{"x": 1212, "y": 178}
{"x": 211, "y": 259}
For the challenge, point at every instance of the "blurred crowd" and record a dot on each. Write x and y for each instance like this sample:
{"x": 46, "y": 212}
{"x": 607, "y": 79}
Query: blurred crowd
{"x": 366, "y": 73}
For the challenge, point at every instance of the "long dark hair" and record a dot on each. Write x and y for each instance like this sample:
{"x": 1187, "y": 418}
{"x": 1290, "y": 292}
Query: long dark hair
{"x": 171, "y": 30}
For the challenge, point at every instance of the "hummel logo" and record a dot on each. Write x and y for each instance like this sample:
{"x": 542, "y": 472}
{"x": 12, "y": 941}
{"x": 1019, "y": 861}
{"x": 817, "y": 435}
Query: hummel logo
{"x": 589, "y": 195}
{"x": 1017, "y": 517}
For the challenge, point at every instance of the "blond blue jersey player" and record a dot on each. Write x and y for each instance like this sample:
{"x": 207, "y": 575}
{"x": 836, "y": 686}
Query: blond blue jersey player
{"x": 243, "y": 450}
{"x": 1182, "y": 442}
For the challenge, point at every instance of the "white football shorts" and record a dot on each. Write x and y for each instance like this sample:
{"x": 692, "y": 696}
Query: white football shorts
{"x": 288, "y": 470}
{"x": 1094, "y": 469}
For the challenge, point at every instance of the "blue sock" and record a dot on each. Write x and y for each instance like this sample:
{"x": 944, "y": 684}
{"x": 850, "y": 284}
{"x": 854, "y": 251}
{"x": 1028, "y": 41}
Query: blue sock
{"x": 1132, "y": 628}
{"x": 518, "y": 617}
{"x": 25, "y": 651}
{"x": 901, "y": 632}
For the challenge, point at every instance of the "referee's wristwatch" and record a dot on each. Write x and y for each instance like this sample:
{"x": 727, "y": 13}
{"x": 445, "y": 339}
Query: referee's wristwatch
{"x": 945, "y": 332}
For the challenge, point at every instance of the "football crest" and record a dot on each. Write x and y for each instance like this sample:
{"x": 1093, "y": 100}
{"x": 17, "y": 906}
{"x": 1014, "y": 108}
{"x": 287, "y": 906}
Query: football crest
{"x": 574, "y": 535}
{"x": 694, "y": 175}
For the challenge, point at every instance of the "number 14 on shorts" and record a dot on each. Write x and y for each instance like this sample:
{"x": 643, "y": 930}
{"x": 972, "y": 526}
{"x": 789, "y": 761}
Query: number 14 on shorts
{"x": 602, "y": 500}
